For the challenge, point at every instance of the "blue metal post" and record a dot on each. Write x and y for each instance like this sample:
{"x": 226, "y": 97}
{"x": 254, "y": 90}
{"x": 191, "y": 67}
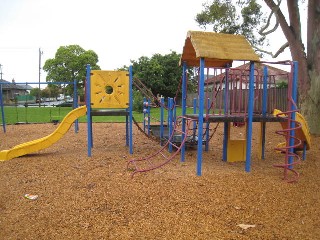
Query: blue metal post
{"x": 161, "y": 119}
{"x": 174, "y": 110}
{"x": 250, "y": 118}
{"x": 226, "y": 112}
{"x": 293, "y": 114}
{"x": 127, "y": 118}
{"x": 149, "y": 112}
{"x": 304, "y": 151}
{"x": 264, "y": 110}
{"x": 2, "y": 110}
{"x": 184, "y": 108}
{"x": 200, "y": 117}
{"x": 225, "y": 141}
{"x": 88, "y": 103}
{"x": 170, "y": 104}
{"x": 130, "y": 110}
{"x": 144, "y": 113}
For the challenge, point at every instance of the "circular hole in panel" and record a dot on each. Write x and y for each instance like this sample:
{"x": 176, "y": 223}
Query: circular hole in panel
{"x": 109, "y": 89}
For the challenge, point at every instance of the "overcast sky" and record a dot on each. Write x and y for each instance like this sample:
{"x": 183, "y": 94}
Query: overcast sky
{"x": 117, "y": 31}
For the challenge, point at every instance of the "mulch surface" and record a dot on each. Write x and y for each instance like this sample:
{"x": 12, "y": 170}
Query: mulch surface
{"x": 82, "y": 197}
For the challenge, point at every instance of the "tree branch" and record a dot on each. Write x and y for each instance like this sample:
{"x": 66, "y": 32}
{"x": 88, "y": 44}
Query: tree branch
{"x": 274, "y": 10}
{"x": 280, "y": 50}
{"x": 282, "y": 21}
{"x": 294, "y": 18}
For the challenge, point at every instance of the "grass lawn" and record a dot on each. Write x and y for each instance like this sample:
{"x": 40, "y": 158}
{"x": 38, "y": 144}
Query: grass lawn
{"x": 48, "y": 114}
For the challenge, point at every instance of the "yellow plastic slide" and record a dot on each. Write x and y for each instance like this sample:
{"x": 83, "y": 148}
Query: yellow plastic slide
{"x": 47, "y": 141}
{"x": 302, "y": 133}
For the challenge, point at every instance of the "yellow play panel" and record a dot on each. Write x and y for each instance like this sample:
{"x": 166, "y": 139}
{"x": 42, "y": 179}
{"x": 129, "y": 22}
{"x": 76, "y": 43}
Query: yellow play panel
{"x": 236, "y": 148}
{"x": 109, "y": 89}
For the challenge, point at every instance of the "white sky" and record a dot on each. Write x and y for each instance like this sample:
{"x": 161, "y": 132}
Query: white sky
{"x": 117, "y": 30}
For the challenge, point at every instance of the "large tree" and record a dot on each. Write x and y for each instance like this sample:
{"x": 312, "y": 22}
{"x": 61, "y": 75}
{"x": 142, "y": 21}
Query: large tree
{"x": 160, "y": 73}
{"x": 70, "y": 64}
{"x": 224, "y": 17}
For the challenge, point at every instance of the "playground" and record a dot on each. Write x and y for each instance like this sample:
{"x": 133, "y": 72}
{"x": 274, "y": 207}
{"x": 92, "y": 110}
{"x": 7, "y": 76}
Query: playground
{"x": 240, "y": 166}
{"x": 96, "y": 198}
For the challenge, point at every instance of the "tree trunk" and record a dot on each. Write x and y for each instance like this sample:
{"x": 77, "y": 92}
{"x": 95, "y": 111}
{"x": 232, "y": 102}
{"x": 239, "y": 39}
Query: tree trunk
{"x": 310, "y": 104}
{"x": 309, "y": 65}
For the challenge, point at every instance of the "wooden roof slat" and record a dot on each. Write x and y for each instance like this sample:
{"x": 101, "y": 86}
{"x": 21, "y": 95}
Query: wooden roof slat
{"x": 218, "y": 49}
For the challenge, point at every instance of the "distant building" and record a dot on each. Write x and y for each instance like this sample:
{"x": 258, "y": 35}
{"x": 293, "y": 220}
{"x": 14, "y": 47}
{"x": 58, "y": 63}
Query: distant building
{"x": 11, "y": 90}
{"x": 239, "y": 77}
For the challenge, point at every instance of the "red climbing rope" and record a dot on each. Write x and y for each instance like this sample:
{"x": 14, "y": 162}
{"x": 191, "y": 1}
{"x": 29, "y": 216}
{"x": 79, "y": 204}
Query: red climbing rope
{"x": 162, "y": 156}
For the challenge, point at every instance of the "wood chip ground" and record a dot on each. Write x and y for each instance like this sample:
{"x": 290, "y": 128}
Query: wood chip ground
{"x": 95, "y": 198}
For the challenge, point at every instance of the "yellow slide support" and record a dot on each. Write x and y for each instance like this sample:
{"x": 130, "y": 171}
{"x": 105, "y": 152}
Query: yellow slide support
{"x": 302, "y": 133}
{"x": 42, "y": 143}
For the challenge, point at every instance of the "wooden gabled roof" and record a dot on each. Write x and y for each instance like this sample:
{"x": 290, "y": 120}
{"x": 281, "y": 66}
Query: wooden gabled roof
{"x": 218, "y": 49}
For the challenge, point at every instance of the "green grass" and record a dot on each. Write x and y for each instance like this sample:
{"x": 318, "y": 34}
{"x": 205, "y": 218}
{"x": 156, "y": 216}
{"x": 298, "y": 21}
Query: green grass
{"x": 48, "y": 114}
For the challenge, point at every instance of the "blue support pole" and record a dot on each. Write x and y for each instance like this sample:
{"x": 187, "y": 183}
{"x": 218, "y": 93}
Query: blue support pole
{"x": 264, "y": 110}
{"x": 174, "y": 110}
{"x": 130, "y": 110}
{"x": 250, "y": 118}
{"x": 144, "y": 113}
{"x": 225, "y": 141}
{"x": 226, "y": 112}
{"x": 170, "y": 115}
{"x": 2, "y": 110}
{"x": 293, "y": 114}
{"x": 304, "y": 151}
{"x": 200, "y": 117}
{"x": 161, "y": 119}
{"x": 149, "y": 111}
{"x": 88, "y": 103}
{"x": 184, "y": 108}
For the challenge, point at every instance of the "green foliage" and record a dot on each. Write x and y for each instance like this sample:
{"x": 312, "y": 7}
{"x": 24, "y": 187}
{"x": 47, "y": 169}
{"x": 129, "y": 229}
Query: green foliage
{"x": 70, "y": 64}
{"x": 282, "y": 84}
{"x": 35, "y": 92}
{"x": 223, "y": 17}
{"x": 137, "y": 101}
{"x": 45, "y": 93}
{"x": 54, "y": 90}
{"x": 160, "y": 73}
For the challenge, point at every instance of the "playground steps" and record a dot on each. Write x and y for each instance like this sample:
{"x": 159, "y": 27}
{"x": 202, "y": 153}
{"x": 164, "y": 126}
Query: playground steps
{"x": 191, "y": 141}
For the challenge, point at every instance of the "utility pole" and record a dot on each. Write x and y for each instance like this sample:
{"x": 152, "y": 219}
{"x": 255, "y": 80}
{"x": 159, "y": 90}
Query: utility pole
{"x": 40, "y": 53}
{"x": 1, "y": 72}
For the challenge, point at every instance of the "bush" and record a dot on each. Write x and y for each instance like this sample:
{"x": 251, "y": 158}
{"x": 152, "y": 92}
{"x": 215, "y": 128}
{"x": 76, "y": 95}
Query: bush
{"x": 137, "y": 101}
